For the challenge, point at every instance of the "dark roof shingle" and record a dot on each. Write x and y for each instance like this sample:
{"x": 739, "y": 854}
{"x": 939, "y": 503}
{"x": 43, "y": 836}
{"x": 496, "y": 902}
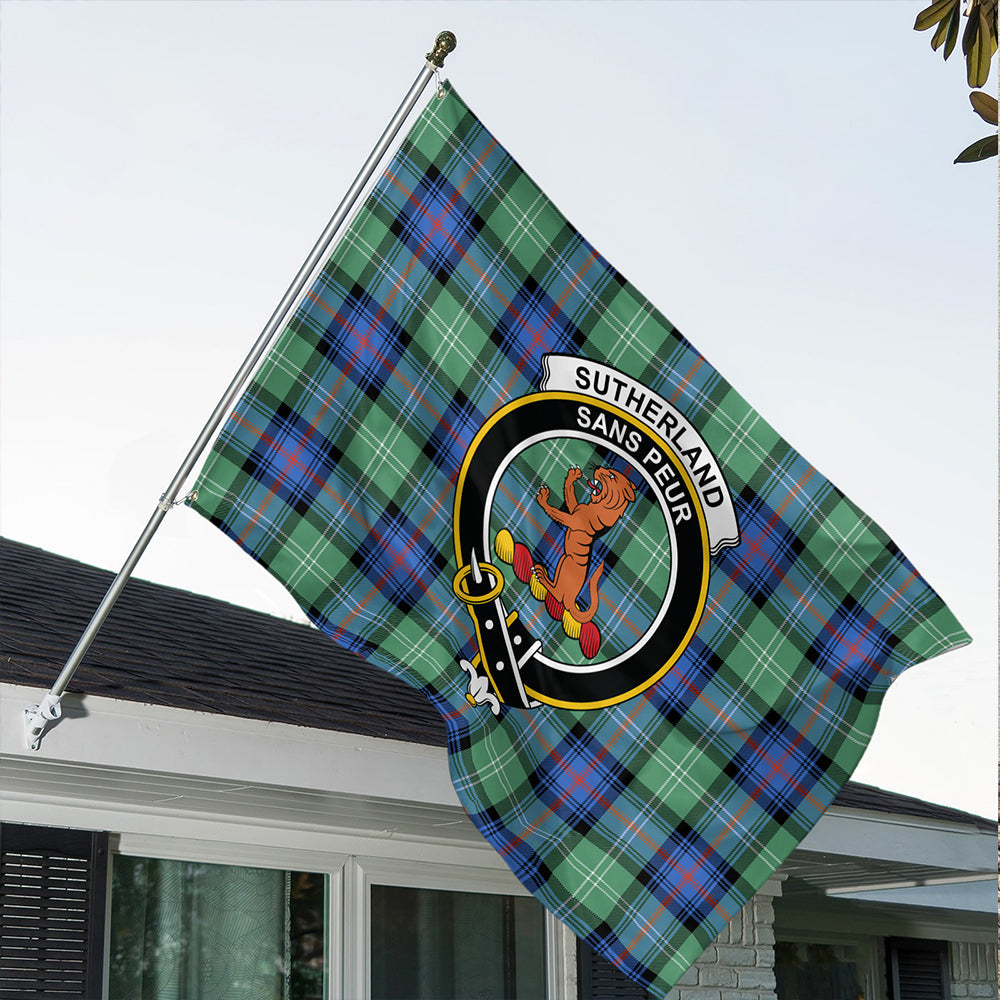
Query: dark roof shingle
{"x": 168, "y": 647}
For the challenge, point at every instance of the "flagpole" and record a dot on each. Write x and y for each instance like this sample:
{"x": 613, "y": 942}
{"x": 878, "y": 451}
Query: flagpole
{"x": 37, "y": 717}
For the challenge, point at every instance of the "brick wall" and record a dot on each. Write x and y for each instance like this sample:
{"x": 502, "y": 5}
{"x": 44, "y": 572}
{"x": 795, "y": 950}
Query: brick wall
{"x": 973, "y": 970}
{"x": 739, "y": 965}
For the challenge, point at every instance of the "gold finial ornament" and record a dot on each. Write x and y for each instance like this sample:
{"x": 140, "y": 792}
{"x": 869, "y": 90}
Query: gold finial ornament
{"x": 443, "y": 44}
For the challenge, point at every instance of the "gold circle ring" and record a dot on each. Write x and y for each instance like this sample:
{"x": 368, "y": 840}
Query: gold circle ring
{"x": 463, "y": 594}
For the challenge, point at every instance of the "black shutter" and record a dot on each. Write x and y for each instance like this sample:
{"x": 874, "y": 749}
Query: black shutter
{"x": 600, "y": 980}
{"x": 918, "y": 970}
{"x": 53, "y": 890}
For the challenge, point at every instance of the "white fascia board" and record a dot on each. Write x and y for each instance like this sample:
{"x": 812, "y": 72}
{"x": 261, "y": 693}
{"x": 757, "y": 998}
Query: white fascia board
{"x": 967, "y": 897}
{"x": 904, "y": 839}
{"x": 112, "y": 733}
{"x": 109, "y": 733}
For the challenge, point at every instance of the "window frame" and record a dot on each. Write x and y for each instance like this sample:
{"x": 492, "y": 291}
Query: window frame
{"x": 869, "y": 950}
{"x": 361, "y": 873}
{"x": 164, "y": 848}
{"x": 349, "y": 880}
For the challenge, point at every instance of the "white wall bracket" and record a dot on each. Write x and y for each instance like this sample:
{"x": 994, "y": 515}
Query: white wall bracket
{"x": 37, "y": 717}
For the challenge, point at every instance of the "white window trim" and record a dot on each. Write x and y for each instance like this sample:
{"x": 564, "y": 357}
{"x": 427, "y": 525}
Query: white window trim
{"x": 165, "y": 848}
{"x": 349, "y": 881}
{"x": 361, "y": 873}
{"x": 221, "y": 853}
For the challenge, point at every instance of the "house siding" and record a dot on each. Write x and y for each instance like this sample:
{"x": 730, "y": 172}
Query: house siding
{"x": 739, "y": 965}
{"x": 973, "y": 970}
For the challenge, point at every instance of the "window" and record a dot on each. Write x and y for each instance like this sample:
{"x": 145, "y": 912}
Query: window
{"x": 818, "y": 971}
{"x": 183, "y": 930}
{"x": 428, "y": 944}
{"x": 171, "y": 918}
{"x": 430, "y": 931}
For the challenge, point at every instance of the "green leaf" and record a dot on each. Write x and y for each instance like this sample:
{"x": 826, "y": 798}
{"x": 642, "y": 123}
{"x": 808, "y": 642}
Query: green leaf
{"x": 985, "y": 105}
{"x": 941, "y": 33}
{"x": 981, "y": 51}
{"x": 930, "y": 16}
{"x": 981, "y": 149}
{"x": 970, "y": 35}
{"x": 954, "y": 23}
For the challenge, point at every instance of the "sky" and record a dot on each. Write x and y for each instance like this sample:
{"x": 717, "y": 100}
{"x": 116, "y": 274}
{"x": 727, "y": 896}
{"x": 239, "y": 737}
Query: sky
{"x": 776, "y": 176}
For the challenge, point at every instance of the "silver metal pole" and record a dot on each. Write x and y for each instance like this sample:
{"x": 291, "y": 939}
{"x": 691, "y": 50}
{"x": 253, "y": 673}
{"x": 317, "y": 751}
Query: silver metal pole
{"x": 37, "y": 717}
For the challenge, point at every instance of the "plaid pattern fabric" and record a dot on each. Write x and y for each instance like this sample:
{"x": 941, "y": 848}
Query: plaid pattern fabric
{"x": 647, "y": 824}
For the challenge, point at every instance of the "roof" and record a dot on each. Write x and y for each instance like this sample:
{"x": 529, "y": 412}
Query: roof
{"x": 168, "y": 647}
{"x": 870, "y": 799}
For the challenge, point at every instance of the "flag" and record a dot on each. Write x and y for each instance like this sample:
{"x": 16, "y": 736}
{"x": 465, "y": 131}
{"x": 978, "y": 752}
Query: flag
{"x": 658, "y": 637}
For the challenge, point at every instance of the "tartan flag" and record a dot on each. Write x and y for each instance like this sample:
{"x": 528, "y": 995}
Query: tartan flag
{"x": 659, "y": 639}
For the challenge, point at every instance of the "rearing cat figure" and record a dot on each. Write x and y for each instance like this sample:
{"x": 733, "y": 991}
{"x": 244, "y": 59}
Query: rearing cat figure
{"x": 610, "y": 494}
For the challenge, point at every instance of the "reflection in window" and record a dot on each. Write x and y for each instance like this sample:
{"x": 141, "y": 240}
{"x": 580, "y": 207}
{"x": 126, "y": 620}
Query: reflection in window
{"x": 191, "y": 931}
{"x": 817, "y": 971}
{"x": 427, "y": 944}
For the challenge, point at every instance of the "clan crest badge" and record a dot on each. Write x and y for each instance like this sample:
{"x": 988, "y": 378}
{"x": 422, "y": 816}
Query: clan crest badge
{"x": 586, "y": 515}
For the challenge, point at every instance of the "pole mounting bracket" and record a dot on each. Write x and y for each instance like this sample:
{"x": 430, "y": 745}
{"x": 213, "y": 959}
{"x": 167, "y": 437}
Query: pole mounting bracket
{"x": 37, "y": 718}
